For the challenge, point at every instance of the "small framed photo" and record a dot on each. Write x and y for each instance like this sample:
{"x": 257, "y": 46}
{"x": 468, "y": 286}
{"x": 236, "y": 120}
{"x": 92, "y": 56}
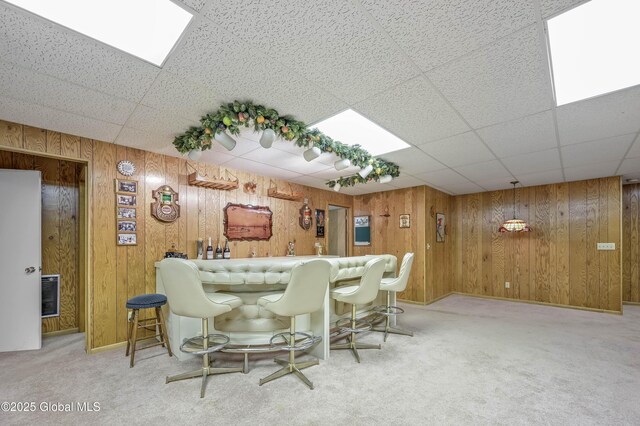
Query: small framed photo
{"x": 441, "y": 227}
{"x": 126, "y": 213}
{"x": 127, "y": 226}
{"x": 405, "y": 221}
{"x": 127, "y": 186}
{"x": 127, "y": 239}
{"x": 126, "y": 200}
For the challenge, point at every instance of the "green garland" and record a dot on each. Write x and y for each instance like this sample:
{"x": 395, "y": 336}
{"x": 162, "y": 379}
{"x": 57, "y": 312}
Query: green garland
{"x": 232, "y": 116}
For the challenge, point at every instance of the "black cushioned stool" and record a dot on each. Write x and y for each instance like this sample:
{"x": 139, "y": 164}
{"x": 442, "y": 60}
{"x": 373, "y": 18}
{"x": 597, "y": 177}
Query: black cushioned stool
{"x": 146, "y": 301}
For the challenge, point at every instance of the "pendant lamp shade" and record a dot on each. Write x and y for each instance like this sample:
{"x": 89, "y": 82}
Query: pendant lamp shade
{"x": 386, "y": 178}
{"x": 312, "y": 153}
{"x": 195, "y": 154}
{"x": 267, "y": 138}
{"x": 365, "y": 172}
{"x": 337, "y": 187}
{"x": 514, "y": 225}
{"x": 225, "y": 140}
{"x": 342, "y": 164}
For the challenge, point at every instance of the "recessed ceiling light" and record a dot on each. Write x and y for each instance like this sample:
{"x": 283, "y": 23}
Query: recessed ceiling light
{"x": 594, "y": 49}
{"x": 351, "y": 128}
{"x": 147, "y": 29}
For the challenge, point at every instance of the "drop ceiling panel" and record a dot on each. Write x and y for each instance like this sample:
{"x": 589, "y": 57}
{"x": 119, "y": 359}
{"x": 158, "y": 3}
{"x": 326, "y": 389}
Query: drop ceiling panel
{"x": 462, "y": 188}
{"x": 182, "y": 97}
{"x": 317, "y": 41}
{"x": 331, "y": 173}
{"x": 533, "y": 162}
{"x": 284, "y": 160}
{"x": 630, "y": 166}
{"x": 42, "y": 46}
{"x": 501, "y": 82}
{"x": 598, "y": 118}
{"x": 158, "y": 122}
{"x": 527, "y": 134}
{"x": 438, "y": 31}
{"x": 216, "y": 157}
{"x": 406, "y": 181}
{"x": 413, "y": 160}
{"x": 260, "y": 168}
{"x": 413, "y": 111}
{"x": 145, "y": 140}
{"x": 441, "y": 178}
{"x": 486, "y": 171}
{"x": 193, "y": 4}
{"x": 540, "y": 178}
{"x": 29, "y": 86}
{"x": 591, "y": 171}
{"x": 495, "y": 184}
{"x": 311, "y": 181}
{"x": 553, "y": 7}
{"x": 635, "y": 148}
{"x": 234, "y": 70}
{"x": 458, "y": 150}
{"x": 610, "y": 149}
{"x": 56, "y": 120}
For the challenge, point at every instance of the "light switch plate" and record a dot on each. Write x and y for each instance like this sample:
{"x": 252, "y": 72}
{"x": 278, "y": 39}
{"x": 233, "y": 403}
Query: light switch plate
{"x": 606, "y": 246}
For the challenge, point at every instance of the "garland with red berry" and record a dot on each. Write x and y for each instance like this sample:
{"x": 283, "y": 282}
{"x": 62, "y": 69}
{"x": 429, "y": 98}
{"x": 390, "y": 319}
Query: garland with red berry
{"x": 232, "y": 116}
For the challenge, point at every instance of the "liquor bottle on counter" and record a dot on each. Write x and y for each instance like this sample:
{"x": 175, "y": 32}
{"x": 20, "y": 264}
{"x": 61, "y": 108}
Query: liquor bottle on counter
{"x": 227, "y": 251}
{"x": 218, "y": 251}
{"x": 209, "y": 250}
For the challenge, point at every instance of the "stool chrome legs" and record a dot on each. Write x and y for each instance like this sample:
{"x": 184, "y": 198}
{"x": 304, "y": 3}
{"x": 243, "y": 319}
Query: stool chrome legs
{"x": 290, "y": 366}
{"x": 388, "y": 312}
{"x": 206, "y": 369}
{"x": 353, "y": 344}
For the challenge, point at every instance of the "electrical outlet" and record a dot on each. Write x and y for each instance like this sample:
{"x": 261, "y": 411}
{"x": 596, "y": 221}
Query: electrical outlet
{"x": 507, "y": 284}
{"x": 606, "y": 246}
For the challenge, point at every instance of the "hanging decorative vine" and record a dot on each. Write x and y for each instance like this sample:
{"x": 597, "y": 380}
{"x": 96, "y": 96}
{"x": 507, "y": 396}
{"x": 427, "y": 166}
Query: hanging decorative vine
{"x": 232, "y": 116}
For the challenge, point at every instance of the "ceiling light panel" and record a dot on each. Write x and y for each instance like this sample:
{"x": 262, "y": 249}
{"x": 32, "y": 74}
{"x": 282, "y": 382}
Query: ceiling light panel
{"x": 593, "y": 49}
{"x": 351, "y": 128}
{"x": 147, "y": 29}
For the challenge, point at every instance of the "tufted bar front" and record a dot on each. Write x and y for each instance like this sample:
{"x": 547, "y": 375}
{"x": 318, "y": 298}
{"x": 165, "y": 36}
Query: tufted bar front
{"x": 250, "y": 279}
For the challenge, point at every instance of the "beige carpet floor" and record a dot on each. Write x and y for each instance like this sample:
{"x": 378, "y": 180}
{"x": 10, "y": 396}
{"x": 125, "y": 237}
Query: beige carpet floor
{"x": 472, "y": 361}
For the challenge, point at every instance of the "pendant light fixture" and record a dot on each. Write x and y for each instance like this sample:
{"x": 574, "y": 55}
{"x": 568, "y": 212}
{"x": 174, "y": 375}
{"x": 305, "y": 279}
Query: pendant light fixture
{"x": 514, "y": 225}
{"x": 225, "y": 140}
{"x": 267, "y": 138}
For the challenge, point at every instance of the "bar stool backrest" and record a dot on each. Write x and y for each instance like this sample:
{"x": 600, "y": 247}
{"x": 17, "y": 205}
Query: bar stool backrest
{"x": 184, "y": 290}
{"x": 400, "y": 283}
{"x": 369, "y": 283}
{"x": 305, "y": 291}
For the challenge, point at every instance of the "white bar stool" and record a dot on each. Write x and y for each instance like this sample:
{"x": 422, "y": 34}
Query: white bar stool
{"x": 304, "y": 294}
{"x": 364, "y": 293}
{"x": 187, "y": 298}
{"x": 396, "y": 285}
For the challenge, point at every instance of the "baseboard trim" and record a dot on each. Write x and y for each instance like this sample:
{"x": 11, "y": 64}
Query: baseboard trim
{"x": 631, "y": 303}
{"x": 108, "y": 348}
{"x": 61, "y": 332}
{"x": 534, "y": 302}
{"x": 413, "y": 302}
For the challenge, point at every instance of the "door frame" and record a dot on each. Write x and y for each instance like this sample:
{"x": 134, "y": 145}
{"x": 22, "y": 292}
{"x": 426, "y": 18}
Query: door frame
{"x": 349, "y": 236}
{"x": 84, "y": 243}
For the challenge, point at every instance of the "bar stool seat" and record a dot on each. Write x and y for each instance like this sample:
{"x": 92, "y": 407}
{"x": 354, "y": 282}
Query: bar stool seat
{"x": 146, "y": 301}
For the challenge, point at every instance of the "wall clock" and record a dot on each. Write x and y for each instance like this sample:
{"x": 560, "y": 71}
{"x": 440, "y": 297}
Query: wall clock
{"x": 126, "y": 168}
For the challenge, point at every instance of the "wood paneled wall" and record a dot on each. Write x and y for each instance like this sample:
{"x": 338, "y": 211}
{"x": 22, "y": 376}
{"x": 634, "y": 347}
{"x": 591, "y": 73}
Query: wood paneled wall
{"x": 118, "y": 272}
{"x": 631, "y": 243}
{"x": 60, "y": 225}
{"x": 555, "y": 263}
{"x": 431, "y": 271}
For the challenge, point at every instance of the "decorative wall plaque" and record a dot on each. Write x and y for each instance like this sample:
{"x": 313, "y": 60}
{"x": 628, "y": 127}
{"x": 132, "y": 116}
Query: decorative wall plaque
{"x": 247, "y": 223}
{"x": 165, "y": 208}
{"x": 126, "y": 168}
{"x": 305, "y": 216}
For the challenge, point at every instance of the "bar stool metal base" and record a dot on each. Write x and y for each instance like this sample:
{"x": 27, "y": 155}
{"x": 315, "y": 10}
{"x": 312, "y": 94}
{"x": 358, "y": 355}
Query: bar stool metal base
{"x": 208, "y": 345}
{"x": 388, "y": 311}
{"x": 353, "y": 345}
{"x": 290, "y": 366}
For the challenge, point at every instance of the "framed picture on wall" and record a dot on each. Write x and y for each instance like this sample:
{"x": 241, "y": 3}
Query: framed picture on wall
{"x": 362, "y": 231}
{"x": 126, "y": 200}
{"x": 127, "y": 226}
{"x": 126, "y": 213}
{"x": 440, "y": 227}
{"x": 127, "y": 186}
{"x": 405, "y": 221}
{"x": 319, "y": 223}
{"x": 127, "y": 239}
